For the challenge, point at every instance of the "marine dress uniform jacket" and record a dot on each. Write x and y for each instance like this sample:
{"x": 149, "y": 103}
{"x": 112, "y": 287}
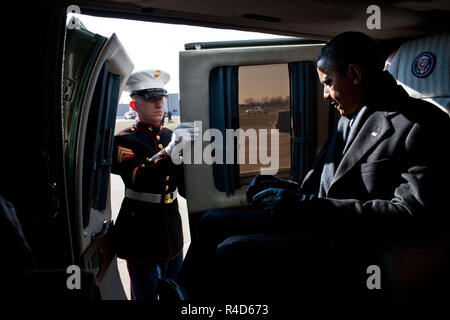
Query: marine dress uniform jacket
{"x": 146, "y": 229}
{"x": 396, "y": 168}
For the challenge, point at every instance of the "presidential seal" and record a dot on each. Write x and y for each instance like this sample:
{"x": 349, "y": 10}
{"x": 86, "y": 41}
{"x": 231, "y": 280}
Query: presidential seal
{"x": 423, "y": 65}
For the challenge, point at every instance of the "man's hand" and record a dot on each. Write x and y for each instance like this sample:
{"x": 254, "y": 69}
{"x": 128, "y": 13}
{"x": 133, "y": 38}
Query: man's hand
{"x": 287, "y": 210}
{"x": 184, "y": 133}
{"x": 262, "y": 182}
{"x": 274, "y": 200}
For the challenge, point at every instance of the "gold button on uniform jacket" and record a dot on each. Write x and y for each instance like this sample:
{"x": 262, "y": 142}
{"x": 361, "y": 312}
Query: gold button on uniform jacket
{"x": 148, "y": 227}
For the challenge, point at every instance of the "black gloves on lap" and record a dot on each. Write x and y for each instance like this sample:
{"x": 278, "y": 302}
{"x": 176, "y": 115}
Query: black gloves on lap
{"x": 280, "y": 199}
{"x": 273, "y": 200}
{"x": 262, "y": 182}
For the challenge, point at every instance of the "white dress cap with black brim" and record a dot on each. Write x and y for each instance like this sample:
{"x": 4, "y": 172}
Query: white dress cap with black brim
{"x": 148, "y": 83}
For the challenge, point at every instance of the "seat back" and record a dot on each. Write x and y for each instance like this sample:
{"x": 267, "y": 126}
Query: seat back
{"x": 422, "y": 67}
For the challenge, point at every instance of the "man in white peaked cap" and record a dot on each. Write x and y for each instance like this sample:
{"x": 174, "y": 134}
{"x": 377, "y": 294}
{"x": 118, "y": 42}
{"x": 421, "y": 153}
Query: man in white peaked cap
{"x": 148, "y": 231}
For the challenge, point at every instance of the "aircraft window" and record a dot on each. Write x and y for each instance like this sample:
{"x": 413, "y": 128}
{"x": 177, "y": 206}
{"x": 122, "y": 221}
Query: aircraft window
{"x": 264, "y": 105}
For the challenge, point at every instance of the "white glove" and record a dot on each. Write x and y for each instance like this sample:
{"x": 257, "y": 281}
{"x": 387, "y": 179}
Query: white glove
{"x": 184, "y": 133}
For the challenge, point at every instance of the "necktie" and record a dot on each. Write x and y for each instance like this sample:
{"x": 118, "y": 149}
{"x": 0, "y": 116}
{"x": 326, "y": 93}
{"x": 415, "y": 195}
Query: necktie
{"x": 334, "y": 155}
{"x": 343, "y": 130}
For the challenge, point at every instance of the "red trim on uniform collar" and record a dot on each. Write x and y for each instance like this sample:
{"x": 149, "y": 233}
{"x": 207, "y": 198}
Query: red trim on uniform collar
{"x": 142, "y": 125}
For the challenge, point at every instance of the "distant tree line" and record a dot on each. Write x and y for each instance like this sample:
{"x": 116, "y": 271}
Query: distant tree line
{"x": 265, "y": 102}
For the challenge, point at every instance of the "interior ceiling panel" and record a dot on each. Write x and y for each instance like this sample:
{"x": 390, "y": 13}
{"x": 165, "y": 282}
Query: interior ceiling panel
{"x": 302, "y": 18}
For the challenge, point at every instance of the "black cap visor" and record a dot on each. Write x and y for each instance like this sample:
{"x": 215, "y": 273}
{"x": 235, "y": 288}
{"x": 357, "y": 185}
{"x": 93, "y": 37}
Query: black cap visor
{"x": 150, "y": 93}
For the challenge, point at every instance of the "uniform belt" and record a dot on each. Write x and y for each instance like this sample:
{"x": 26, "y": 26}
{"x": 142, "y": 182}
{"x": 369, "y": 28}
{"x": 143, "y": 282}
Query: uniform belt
{"x": 151, "y": 197}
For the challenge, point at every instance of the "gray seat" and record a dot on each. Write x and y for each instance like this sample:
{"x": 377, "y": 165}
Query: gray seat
{"x": 422, "y": 67}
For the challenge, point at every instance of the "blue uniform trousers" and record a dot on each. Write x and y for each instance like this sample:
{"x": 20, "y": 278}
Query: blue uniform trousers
{"x": 144, "y": 276}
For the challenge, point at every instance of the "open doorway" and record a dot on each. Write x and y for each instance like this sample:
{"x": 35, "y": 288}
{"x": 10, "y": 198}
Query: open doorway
{"x": 148, "y": 47}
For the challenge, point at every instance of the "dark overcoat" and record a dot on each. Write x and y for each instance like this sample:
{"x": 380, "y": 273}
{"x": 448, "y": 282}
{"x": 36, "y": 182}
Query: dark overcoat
{"x": 392, "y": 179}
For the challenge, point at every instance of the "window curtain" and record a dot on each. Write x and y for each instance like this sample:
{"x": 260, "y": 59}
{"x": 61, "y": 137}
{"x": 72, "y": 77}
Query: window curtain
{"x": 105, "y": 148}
{"x": 302, "y": 79}
{"x": 224, "y": 114}
{"x": 90, "y": 166}
{"x": 99, "y": 140}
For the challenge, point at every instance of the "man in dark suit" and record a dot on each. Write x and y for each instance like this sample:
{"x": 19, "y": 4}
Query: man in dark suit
{"x": 377, "y": 182}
